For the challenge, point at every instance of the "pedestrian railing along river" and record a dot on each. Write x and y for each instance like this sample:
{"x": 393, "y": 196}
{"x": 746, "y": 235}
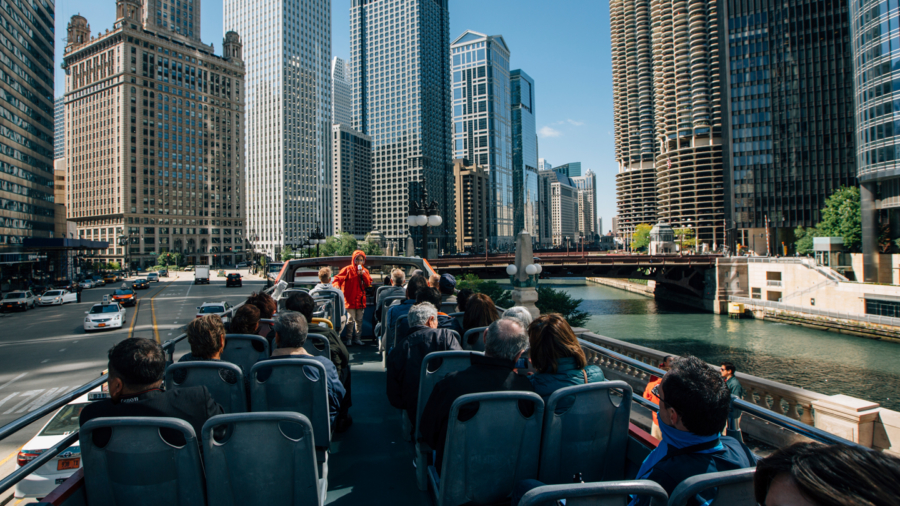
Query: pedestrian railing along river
{"x": 868, "y": 318}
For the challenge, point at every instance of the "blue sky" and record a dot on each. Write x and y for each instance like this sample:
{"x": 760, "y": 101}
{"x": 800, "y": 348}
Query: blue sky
{"x": 563, "y": 44}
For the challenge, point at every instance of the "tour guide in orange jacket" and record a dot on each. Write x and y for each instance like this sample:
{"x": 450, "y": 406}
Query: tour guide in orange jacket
{"x": 353, "y": 281}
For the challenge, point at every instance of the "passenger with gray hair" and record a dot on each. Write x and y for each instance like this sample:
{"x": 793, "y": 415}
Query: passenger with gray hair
{"x": 519, "y": 313}
{"x": 405, "y": 360}
{"x": 291, "y": 331}
{"x": 505, "y": 341}
{"x": 396, "y": 289}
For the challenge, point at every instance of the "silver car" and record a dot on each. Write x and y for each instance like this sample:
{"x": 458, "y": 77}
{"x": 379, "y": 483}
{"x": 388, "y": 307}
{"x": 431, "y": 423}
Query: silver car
{"x": 22, "y": 300}
{"x": 57, "y": 298}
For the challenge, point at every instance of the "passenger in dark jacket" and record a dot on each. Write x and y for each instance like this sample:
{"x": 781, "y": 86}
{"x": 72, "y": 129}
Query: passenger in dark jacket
{"x": 136, "y": 368}
{"x": 432, "y": 296}
{"x": 397, "y": 310}
{"x": 398, "y": 277}
{"x": 404, "y": 364}
{"x": 492, "y": 372}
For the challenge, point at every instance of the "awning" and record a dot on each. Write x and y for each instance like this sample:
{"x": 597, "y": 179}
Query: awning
{"x": 43, "y": 243}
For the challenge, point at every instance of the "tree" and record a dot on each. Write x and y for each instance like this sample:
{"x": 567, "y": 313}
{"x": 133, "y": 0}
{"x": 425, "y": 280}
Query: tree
{"x": 370, "y": 248}
{"x": 492, "y": 289}
{"x": 169, "y": 258}
{"x": 341, "y": 245}
{"x": 685, "y": 237}
{"x": 842, "y": 217}
{"x": 804, "y": 242}
{"x": 287, "y": 253}
{"x": 641, "y": 237}
{"x": 558, "y": 301}
{"x": 115, "y": 266}
{"x": 468, "y": 282}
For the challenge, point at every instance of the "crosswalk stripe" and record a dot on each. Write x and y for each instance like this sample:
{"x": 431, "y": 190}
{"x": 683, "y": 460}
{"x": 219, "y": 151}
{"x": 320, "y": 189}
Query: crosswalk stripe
{"x": 31, "y": 394}
{"x": 40, "y": 401}
{"x": 8, "y": 397}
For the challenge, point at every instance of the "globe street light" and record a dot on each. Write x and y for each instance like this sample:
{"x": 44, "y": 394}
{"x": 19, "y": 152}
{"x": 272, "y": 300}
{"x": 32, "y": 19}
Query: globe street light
{"x": 317, "y": 238}
{"x": 424, "y": 214}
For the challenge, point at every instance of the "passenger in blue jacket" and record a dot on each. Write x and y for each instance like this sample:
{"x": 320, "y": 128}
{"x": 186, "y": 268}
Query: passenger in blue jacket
{"x": 557, "y": 356}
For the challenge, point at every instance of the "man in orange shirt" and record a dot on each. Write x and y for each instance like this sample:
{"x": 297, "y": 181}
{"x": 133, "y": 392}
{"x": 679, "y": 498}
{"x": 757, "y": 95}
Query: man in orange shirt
{"x": 650, "y": 395}
{"x": 353, "y": 281}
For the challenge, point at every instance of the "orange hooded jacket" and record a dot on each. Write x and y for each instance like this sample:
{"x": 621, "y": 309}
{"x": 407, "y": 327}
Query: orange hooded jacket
{"x": 353, "y": 283}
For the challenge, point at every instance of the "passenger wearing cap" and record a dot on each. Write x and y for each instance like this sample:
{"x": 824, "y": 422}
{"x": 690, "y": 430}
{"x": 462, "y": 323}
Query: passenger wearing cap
{"x": 447, "y": 287}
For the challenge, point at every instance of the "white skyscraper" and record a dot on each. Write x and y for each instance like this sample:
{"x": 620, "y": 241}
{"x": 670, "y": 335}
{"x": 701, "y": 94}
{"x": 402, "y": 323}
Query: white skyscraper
{"x": 587, "y": 204}
{"x": 400, "y": 70}
{"x": 287, "y": 54}
{"x": 341, "y": 90}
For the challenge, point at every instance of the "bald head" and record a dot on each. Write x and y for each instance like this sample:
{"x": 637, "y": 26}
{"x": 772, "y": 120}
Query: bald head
{"x": 505, "y": 339}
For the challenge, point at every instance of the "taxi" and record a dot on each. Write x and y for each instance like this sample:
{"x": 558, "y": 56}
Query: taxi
{"x": 125, "y": 296}
{"x": 106, "y": 315}
{"x": 140, "y": 283}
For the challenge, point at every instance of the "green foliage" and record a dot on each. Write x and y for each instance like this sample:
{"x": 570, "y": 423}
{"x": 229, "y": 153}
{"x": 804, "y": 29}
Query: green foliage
{"x": 492, "y": 289}
{"x": 169, "y": 258}
{"x": 370, "y": 248}
{"x": 287, "y": 253}
{"x": 641, "y": 237}
{"x": 559, "y": 301}
{"x": 804, "y": 242}
{"x": 343, "y": 244}
{"x": 468, "y": 282}
{"x": 842, "y": 217}
{"x": 685, "y": 237}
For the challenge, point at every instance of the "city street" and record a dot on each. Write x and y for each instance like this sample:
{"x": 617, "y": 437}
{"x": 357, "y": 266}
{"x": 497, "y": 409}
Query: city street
{"x": 45, "y": 352}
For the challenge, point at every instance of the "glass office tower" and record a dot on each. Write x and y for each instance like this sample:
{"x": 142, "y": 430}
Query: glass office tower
{"x": 789, "y": 134}
{"x": 287, "y": 56}
{"x": 481, "y": 122}
{"x": 400, "y": 71}
{"x": 875, "y": 35}
{"x": 525, "y": 155}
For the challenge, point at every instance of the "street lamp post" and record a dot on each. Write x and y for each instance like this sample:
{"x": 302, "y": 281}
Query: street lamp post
{"x": 424, "y": 214}
{"x": 253, "y": 240}
{"x": 317, "y": 238}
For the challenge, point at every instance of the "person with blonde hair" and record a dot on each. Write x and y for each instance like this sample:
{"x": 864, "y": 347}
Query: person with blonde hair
{"x": 325, "y": 286}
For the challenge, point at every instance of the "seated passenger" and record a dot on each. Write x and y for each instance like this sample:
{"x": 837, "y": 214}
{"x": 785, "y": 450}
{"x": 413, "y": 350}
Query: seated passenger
{"x": 652, "y": 389}
{"x": 447, "y": 286}
{"x": 404, "y": 364}
{"x": 401, "y": 308}
{"x": 291, "y": 330}
{"x": 444, "y": 320}
{"x": 557, "y": 356}
{"x": 519, "y": 313}
{"x": 267, "y": 307}
{"x": 813, "y": 474}
{"x": 245, "y": 320}
{"x": 206, "y": 335}
{"x": 480, "y": 312}
{"x": 325, "y": 286}
{"x": 693, "y": 409}
{"x": 434, "y": 280}
{"x": 304, "y": 304}
{"x": 492, "y": 372}
{"x": 136, "y": 368}
{"x": 462, "y": 297}
{"x": 397, "y": 279}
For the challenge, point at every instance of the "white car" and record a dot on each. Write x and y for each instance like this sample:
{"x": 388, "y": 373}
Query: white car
{"x": 19, "y": 299}
{"x": 87, "y": 283}
{"x": 153, "y": 277}
{"x": 104, "y": 316}
{"x": 56, "y": 297}
{"x": 50, "y": 475}
{"x": 217, "y": 308}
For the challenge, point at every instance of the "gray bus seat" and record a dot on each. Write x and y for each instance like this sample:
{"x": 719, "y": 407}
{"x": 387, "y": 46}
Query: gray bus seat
{"x": 317, "y": 345}
{"x": 289, "y": 388}
{"x": 231, "y": 396}
{"x": 610, "y": 493}
{"x": 384, "y": 309}
{"x": 488, "y": 454}
{"x": 285, "y": 295}
{"x": 405, "y": 422}
{"x": 733, "y": 488}
{"x": 431, "y": 373}
{"x": 136, "y": 467}
{"x": 243, "y": 350}
{"x": 585, "y": 432}
{"x": 268, "y": 458}
{"x": 396, "y": 337}
{"x": 479, "y": 342}
{"x": 337, "y": 310}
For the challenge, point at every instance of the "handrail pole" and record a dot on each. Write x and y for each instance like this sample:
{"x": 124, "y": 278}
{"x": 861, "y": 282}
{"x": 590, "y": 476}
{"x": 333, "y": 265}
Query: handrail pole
{"x": 39, "y": 413}
{"x": 19, "y": 474}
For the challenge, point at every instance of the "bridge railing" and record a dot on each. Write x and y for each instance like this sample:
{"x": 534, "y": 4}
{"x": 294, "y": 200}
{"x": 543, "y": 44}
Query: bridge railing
{"x": 809, "y": 263}
{"x": 867, "y": 318}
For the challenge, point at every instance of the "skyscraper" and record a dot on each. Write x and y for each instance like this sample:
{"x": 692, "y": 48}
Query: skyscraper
{"x": 572, "y": 169}
{"x": 633, "y": 116}
{"x": 180, "y": 17}
{"x": 876, "y": 54}
{"x": 559, "y": 208}
{"x": 481, "y": 121}
{"x": 472, "y": 188}
{"x": 790, "y": 128}
{"x": 525, "y": 154}
{"x": 543, "y": 164}
{"x": 341, "y": 91}
{"x": 59, "y": 128}
{"x": 26, "y": 146}
{"x": 154, "y": 148}
{"x": 287, "y": 52}
{"x": 352, "y": 163}
{"x": 587, "y": 205}
{"x": 400, "y": 70}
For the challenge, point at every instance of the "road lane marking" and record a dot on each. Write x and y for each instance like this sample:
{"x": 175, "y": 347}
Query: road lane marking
{"x": 11, "y": 455}
{"x": 8, "y": 397}
{"x": 134, "y": 318}
{"x": 10, "y": 381}
{"x": 40, "y": 401}
{"x": 62, "y": 350}
{"x": 153, "y": 311}
{"x": 31, "y": 394}
{"x": 45, "y": 360}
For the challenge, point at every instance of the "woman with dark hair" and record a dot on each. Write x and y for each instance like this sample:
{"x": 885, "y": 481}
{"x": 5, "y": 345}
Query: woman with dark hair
{"x": 245, "y": 320}
{"x": 267, "y": 307}
{"x": 480, "y": 312}
{"x": 813, "y": 474}
{"x": 462, "y": 297}
{"x": 557, "y": 357}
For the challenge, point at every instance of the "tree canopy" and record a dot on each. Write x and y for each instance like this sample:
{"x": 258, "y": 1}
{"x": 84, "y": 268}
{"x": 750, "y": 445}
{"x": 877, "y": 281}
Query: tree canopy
{"x": 841, "y": 217}
{"x": 287, "y": 253}
{"x": 641, "y": 237}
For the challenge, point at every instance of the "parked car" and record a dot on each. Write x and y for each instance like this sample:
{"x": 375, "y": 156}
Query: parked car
{"x": 106, "y": 315}
{"x": 233, "y": 279}
{"x": 19, "y": 300}
{"x": 140, "y": 284}
{"x": 217, "y": 308}
{"x": 153, "y": 277}
{"x": 164, "y": 273}
{"x": 189, "y": 268}
{"x": 56, "y": 297}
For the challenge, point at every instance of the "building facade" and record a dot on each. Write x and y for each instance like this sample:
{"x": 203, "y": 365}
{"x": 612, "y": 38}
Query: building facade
{"x": 59, "y": 128}
{"x": 688, "y": 115}
{"x": 587, "y": 206}
{"x": 876, "y": 63}
{"x": 559, "y": 208}
{"x": 524, "y": 154}
{"x": 544, "y": 164}
{"x": 154, "y": 143}
{"x": 633, "y": 114}
{"x": 472, "y": 187}
{"x": 572, "y": 169}
{"x": 789, "y": 133}
{"x": 352, "y": 164}
{"x": 289, "y": 118}
{"x": 27, "y": 143}
{"x": 180, "y": 18}
{"x": 400, "y": 70}
{"x": 341, "y": 92}
{"x": 481, "y": 122}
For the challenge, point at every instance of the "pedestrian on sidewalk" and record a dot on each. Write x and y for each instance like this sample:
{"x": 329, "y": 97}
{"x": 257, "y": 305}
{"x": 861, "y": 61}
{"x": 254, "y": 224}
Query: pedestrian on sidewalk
{"x": 353, "y": 280}
{"x": 734, "y": 386}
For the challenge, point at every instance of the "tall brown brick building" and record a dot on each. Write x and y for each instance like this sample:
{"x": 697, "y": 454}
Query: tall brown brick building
{"x": 154, "y": 138}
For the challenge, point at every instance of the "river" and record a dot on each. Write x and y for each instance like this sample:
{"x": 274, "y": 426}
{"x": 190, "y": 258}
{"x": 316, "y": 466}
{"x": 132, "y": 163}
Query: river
{"x": 821, "y": 361}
